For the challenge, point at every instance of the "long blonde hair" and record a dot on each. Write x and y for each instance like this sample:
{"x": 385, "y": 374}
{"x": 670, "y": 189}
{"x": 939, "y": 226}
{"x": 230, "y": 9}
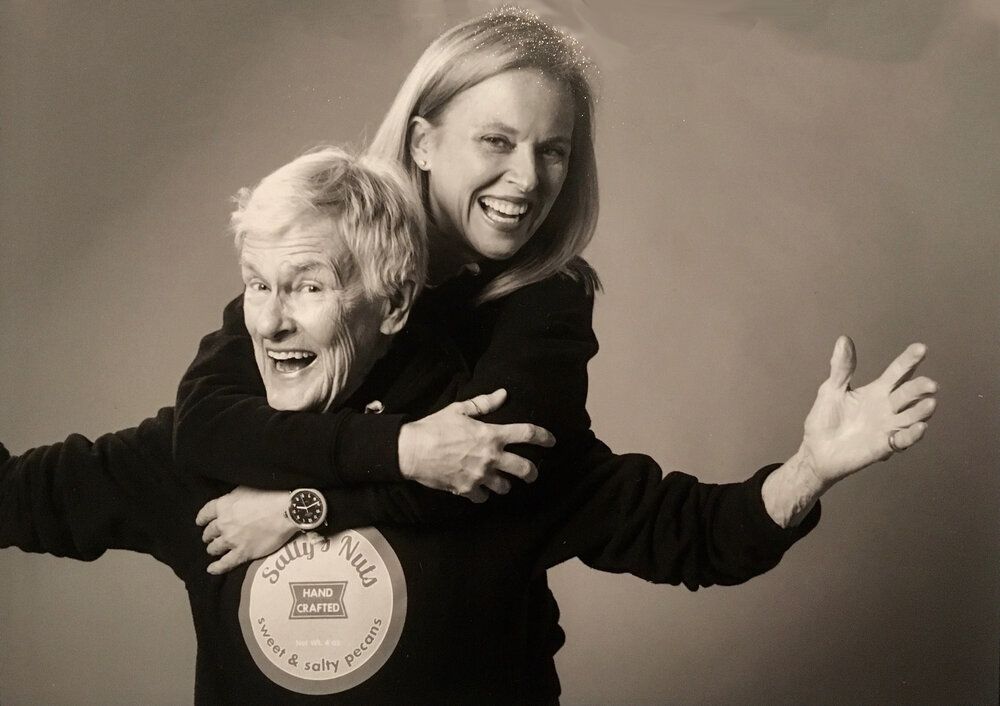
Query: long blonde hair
{"x": 502, "y": 40}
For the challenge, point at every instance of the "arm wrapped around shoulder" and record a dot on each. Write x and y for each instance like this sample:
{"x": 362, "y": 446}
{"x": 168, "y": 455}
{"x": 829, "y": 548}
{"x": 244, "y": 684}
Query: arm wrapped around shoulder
{"x": 624, "y": 516}
{"x": 225, "y": 429}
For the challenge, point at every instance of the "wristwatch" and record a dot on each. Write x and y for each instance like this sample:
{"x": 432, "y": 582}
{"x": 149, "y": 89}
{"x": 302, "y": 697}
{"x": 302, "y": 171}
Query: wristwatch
{"x": 306, "y": 508}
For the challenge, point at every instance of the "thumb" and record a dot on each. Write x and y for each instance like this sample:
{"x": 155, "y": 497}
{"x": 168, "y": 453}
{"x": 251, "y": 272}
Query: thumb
{"x": 843, "y": 362}
{"x": 483, "y": 404}
{"x": 206, "y": 514}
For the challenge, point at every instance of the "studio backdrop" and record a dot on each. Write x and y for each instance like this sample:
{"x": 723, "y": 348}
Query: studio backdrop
{"x": 773, "y": 174}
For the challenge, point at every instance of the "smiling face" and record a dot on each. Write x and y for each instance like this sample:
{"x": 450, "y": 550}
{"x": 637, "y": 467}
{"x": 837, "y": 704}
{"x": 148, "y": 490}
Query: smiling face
{"x": 496, "y": 160}
{"x": 315, "y": 331}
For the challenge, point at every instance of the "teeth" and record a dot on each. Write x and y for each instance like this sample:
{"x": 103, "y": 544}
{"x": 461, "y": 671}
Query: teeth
{"x": 290, "y": 355}
{"x": 505, "y": 207}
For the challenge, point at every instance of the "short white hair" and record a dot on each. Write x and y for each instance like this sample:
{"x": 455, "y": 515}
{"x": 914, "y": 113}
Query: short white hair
{"x": 369, "y": 201}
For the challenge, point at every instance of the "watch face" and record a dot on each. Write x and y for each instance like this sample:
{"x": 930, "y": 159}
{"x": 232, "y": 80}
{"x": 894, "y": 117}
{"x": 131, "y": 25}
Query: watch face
{"x": 307, "y": 508}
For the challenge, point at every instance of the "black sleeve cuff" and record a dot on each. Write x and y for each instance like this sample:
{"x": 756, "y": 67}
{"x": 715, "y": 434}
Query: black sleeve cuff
{"x": 759, "y": 524}
{"x": 367, "y": 449}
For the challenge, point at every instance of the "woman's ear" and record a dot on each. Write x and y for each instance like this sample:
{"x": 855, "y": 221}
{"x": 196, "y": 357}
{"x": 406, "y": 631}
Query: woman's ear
{"x": 397, "y": 309}
{"x": 421, "y": 142}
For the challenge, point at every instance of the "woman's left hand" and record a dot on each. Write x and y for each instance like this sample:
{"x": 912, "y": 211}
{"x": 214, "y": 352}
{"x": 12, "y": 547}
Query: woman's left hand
{"x": 243, "y": 525}
{"x": 848, "y": 429}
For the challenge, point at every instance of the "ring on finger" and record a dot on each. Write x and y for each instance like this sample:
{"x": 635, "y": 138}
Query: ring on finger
{"x": 479, "y": 412}
{"x": 892, "y": 442}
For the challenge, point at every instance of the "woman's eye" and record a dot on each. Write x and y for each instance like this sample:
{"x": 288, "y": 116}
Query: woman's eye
{"x": 554, "y": 153}
{"x": 311, "y": 288}
{"x": 256, "y": 287}
{"x": 497, "y": 142}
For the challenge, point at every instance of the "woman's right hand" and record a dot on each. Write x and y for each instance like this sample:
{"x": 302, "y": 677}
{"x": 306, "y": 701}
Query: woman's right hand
{"x": 450, "y": 450}
{"x": 849, "y": 429}
{"x": 243, "y": 525}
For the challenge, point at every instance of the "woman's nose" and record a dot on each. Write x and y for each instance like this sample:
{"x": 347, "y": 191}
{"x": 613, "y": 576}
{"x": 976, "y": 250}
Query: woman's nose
{"x": 276, "y": 321}
{"x": 522, "y": 171}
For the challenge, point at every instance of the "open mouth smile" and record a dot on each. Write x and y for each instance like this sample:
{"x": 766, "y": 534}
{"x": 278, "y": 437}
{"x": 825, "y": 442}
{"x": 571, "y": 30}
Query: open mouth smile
{"x": 505, "y": 213}
{"x": 289, "y": 362}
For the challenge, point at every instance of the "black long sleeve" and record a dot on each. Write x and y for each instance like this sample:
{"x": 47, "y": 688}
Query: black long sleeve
{"x": 621, "y": 515}
{"x": 79, "y": 498}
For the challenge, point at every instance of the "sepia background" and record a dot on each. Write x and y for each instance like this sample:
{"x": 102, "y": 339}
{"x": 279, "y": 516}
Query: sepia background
{"x": 774, "y": 173}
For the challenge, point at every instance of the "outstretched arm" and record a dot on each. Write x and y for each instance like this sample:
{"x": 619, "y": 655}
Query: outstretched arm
{"x": 78, "y": 498}
{"x": 622, "y": 517}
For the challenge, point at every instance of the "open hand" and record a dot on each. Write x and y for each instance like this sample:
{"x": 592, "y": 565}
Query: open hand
{"x": 848, "y": 429}
{"x": 450, "y": 450}
{"x": 243, "y": 525}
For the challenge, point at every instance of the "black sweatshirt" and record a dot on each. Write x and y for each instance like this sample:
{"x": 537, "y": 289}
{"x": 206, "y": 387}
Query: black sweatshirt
{"x": 479, "y": 620}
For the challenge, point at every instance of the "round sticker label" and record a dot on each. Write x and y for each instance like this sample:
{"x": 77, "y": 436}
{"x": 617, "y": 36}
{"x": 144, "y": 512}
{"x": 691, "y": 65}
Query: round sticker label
{"x": 323, "y": 614}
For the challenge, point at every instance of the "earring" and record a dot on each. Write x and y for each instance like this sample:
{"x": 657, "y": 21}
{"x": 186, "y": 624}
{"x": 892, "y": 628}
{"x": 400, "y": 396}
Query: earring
{"x": 422, "y": 164}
